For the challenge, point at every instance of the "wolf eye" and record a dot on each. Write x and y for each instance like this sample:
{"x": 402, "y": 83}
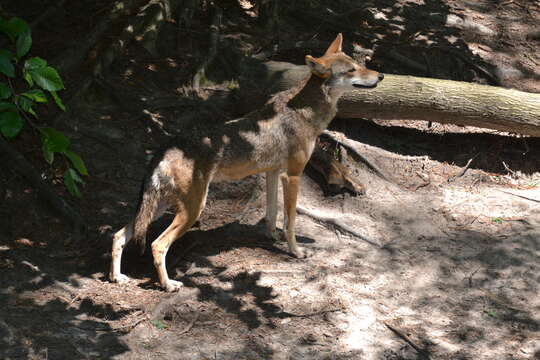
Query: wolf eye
{"x": 351, "y": 70}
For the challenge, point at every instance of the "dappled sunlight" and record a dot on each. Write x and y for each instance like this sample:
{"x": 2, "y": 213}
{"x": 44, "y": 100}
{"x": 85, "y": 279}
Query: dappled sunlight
{"x": 438, "y": 259}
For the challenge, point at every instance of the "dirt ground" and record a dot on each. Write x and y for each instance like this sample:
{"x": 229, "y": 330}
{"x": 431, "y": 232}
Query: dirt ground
{"x": 446, "y": 267}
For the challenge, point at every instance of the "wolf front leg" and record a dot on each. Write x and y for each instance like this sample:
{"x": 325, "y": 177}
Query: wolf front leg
{"x": 272, "y": 179}
{"x": 291, "y": 185}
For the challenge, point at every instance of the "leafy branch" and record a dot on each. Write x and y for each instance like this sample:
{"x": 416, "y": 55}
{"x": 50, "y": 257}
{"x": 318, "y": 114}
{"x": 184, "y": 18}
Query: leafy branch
{"x": 41, "y": 82}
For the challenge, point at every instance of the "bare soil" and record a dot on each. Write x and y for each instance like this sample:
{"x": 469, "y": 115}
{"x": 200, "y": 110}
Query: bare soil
{"x": 446, "y": 268}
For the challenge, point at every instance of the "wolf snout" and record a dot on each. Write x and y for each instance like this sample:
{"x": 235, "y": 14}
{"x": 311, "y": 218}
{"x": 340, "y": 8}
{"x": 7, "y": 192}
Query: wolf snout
{"x": 381, "y": 76}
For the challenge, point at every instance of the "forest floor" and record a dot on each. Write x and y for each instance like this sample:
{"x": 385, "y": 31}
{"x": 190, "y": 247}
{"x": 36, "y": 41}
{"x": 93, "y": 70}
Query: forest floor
{"x": 446, "y": 267}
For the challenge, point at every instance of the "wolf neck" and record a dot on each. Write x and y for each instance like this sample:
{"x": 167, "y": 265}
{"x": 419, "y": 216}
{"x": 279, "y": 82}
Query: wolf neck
{"x": 317, "y": 102}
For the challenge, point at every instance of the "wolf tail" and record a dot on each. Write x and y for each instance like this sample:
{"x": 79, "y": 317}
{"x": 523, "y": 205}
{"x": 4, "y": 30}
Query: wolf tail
{"x": 149, "y": 200}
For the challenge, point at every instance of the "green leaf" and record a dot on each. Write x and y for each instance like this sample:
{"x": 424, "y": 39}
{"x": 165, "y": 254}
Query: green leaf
{"x": 14, "y": 27}
{"x": 58, "y": 100}
{"x": 28, "y": 78}
{"x": 159, "y": 324}
{"x": 30, "y": 64}
{"x": 34, "y": 63}
{"x": 75, "y": 176}
{"x": 77, "y": 162}
{"x": 71, "y": 178}
{"x": 6, "y": 66}
{"x": 11, "y": 123}
{"x": 26, "y": 105}
{"x": 5, "y": 91}
{"x": 55, "y": 141}
{"x": 47, "y": 78}
{"x": 47, "y": 154}
{"x": 36, "y": 95}
{"x": 24, "y": 42}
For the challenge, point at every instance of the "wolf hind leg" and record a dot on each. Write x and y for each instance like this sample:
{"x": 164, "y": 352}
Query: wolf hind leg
{"x": 188, "y": 211}
{"x": 120, "y": 239}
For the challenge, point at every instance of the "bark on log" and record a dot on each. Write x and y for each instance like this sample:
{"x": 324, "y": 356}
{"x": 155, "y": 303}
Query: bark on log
{"x": 401, "y": 97}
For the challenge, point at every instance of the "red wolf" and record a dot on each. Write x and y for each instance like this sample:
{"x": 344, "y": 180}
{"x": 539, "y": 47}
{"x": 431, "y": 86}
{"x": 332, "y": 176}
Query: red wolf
{"x": 277, "y": 139}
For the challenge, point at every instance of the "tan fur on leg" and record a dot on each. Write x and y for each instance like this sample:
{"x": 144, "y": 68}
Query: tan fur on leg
{"x": 188, "y": 212}
{"x": 291, "y": 195}
{"x": 271, "y": 203}
{"x": 120, "y": 240}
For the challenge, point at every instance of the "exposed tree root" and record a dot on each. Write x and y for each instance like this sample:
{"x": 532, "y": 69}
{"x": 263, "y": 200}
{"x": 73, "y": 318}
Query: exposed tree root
{"x": 337, "y": 175}
{"x": 359, "y": 149}
{"x": 336, "y": 223}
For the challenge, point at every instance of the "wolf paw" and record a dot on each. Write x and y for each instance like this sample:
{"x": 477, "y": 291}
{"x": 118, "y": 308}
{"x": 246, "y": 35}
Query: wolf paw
{"x": 299, "y": 254}
{"x": 274, "y": 234}
{"x": 173, "y": 285}
{"x": 119, "y": 278}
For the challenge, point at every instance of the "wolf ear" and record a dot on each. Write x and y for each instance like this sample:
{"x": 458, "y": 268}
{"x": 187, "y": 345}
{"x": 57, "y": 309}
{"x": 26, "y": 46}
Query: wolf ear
{"x": 335, "y": 46}
{"x": 317, "y": 67}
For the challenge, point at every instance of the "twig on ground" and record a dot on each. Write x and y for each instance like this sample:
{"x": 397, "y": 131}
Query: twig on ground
{"x": 425, "y": 183}
{"x": 462, "y": 171}
{"x": 471, "y": 276}
{"x": 519, "y": 196}
{"x": 315, "y": 313}
{"x": 508, "y": 169}
{"x": 30, "y": 266}
{"x": 421, "y": 352}
{"x": 132, "y": 324}
{"x": 77, "y": 297}
{"x": 191, "y": 323}
{"x": 337, "y": 223}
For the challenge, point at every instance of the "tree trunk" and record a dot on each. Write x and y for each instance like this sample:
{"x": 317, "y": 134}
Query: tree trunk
{"x": 400, "y": 97}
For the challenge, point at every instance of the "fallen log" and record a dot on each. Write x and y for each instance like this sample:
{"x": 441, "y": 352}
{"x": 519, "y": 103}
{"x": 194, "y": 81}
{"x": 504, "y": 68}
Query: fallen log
{"x": 400, "y": 97}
